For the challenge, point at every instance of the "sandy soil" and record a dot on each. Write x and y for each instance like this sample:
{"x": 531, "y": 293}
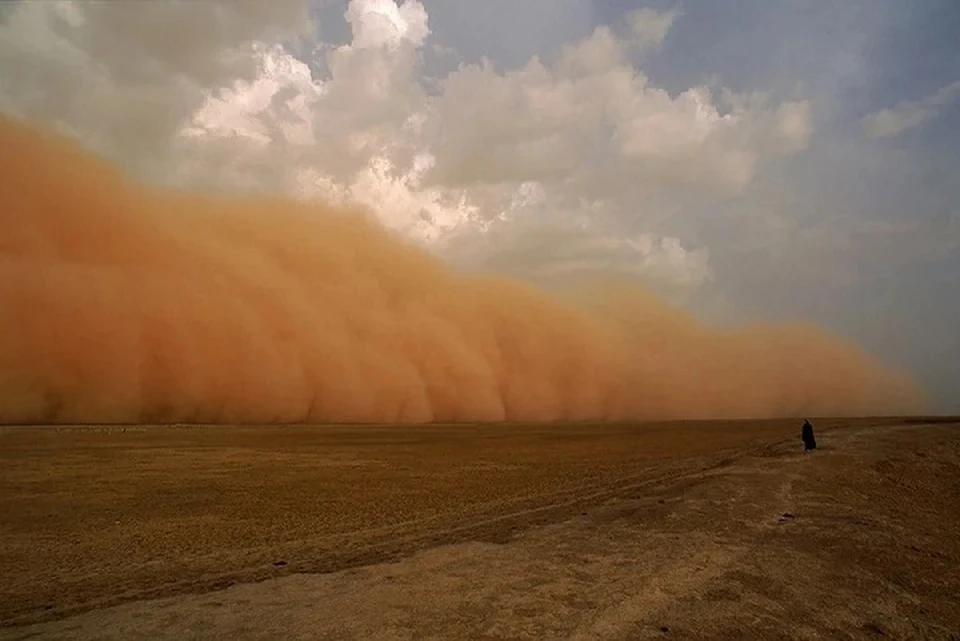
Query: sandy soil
{"x": 699, "y": 530}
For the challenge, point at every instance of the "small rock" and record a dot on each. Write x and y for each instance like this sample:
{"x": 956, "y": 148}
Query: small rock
{"x": 664, "y": 629}
{"x": 48, "y": 607}
{"x": 279, "y": 563}
{"x": 788, "y": 515}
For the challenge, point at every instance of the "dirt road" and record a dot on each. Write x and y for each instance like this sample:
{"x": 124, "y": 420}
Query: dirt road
{"x": 699, "y": 530}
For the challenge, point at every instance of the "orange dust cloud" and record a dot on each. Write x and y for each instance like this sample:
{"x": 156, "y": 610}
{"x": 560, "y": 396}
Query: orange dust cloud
{"x": 120, "y": 303}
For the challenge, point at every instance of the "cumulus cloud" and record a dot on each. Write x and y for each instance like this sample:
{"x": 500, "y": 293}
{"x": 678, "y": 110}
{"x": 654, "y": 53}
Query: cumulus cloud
{"x": 590, "y": 110}
{"x": 444, "y": 160}
{"x": 99, "y": 70}
{"x": 558, "y": 254}
{"x": 890, "y": 122}
{"x": 382, "y": 23}
{"x": 649, "y": 27}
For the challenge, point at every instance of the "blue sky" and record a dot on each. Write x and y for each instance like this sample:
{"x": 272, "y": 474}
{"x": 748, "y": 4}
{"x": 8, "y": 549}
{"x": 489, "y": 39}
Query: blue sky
{"x": 816, "y": 204}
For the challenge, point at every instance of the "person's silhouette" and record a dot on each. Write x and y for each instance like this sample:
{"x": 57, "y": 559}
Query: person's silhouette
{"x": 806, "y": 434}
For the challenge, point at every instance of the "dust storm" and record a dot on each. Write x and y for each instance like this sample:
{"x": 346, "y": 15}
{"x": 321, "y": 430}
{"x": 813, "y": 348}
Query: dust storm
{"x": 124, "y": 303}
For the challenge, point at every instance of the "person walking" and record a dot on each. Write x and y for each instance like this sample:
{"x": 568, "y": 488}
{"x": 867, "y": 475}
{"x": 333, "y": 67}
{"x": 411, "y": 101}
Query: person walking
{"x": 806, "y": 434}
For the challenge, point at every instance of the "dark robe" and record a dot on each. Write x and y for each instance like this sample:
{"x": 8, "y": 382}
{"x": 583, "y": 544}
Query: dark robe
{"x": 809, "y": 442}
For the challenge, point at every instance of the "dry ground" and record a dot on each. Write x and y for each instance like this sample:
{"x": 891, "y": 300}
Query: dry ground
{"x": 691, "y": 530}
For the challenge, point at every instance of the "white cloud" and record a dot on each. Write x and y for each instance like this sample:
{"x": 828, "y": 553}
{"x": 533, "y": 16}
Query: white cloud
{"x": 561, "y": 122}
{"x": 125, "y": 76}
{"x": 794, "y": 125}
{"x": 909, "y": 115}
{"x": 573, "y": 150}
{"x": 550, "y": 253}
{"x": 649, "y": 28}
{"x": 381, "y": 23}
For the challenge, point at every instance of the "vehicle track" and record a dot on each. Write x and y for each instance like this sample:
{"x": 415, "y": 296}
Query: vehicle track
{"x": 498, "y": 521}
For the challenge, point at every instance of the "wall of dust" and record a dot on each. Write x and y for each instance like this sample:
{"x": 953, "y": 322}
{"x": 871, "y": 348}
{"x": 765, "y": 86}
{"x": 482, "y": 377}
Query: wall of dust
{"x": 120, "y": 303}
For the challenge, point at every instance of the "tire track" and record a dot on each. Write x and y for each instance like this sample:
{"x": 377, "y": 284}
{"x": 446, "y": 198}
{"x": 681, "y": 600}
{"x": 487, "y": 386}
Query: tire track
{"x": 497, "y": 520}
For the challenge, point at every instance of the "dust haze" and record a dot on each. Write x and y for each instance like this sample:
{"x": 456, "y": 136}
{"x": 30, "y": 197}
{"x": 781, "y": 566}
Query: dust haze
{"x": 121, "y": 303}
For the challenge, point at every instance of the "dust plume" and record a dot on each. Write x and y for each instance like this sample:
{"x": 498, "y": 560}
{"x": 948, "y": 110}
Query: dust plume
{"x": 123, "y": 303}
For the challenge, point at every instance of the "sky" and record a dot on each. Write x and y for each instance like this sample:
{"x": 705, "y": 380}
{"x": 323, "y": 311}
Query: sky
{"x": 749, "y": 160}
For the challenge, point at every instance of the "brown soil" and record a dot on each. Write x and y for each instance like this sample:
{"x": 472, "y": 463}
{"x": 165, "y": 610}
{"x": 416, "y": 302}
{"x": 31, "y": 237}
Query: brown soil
{"x": 691, "y": 530}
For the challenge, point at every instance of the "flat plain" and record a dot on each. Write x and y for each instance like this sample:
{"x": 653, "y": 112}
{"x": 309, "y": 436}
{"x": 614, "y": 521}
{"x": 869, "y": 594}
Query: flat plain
{"x": 716, "y": 529}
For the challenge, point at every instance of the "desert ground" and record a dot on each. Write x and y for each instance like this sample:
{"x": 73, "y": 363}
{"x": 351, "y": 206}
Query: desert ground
{"x": 693, "y": 530}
